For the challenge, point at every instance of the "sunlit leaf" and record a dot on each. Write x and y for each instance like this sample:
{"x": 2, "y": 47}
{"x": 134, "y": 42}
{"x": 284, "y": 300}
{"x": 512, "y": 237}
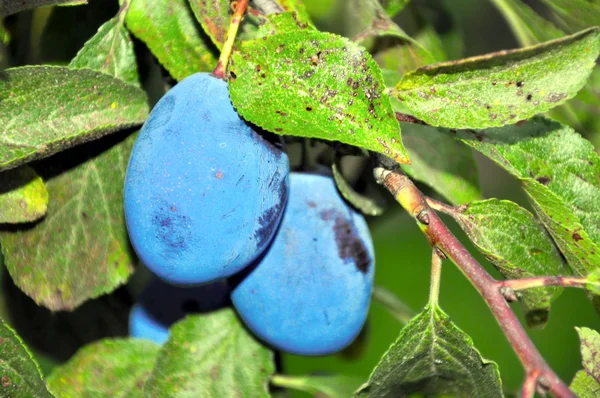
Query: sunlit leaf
{"x": 334, "y": 386}
{"x": 315, "y": 85}
{"x": 23, "y": 196}
{"x": 501, "y": 88}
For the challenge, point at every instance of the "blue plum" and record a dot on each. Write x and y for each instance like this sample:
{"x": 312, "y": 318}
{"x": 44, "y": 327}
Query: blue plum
{"x": 310, "y": 293}
{"x": 204, "y": 192}
{"x": 160, "y": 305}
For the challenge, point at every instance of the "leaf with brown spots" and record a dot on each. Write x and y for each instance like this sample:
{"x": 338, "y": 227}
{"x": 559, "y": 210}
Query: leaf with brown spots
{"x": 108, "y": 368}
{"x": 46, "y": 109}
{"x": 501, "y": 88}
{"x": 80, "y": 250}
{"x": 211, "y": 355}
{"x": 20, "y": 375}
{"x": 169, "y": 30}
{"x": 432, "y": 356}
{"x": 317, "y": 85}
{"x": 519, "y": 246}
{"x": 8, "y": 7}
{"x": 560, "y": 172}
{"x": 587, "y": 382}
{"x": 23, "y": 196}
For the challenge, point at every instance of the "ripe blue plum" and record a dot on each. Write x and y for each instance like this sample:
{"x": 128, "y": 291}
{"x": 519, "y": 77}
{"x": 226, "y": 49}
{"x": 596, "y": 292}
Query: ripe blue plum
{"x": 204, "y": 192}
{"x": 160, "y": 305}
{"x": 310, "y": 293}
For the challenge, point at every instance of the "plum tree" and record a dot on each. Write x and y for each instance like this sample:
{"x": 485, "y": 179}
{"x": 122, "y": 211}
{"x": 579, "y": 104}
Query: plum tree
{"x": 193, "y": 168}
{"x": 160, "y": 305}
{"x": 310, "y": 292}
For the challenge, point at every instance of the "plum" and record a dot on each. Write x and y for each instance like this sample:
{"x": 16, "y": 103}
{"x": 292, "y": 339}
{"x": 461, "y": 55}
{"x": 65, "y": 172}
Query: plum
{"x": 310, "y": 293}
{"x": 160, "y": 305}
{"x": 204, "y": 191}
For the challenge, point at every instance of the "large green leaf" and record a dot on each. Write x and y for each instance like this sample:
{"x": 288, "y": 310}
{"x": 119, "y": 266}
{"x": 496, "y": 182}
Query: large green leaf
{"x": 81, "y": 249}
{"x": 211, "y": 355}
{"x": 335, "y": 386}
{"x": 587, "y": 382}
{"x": 440, "y": 161}
{"x": 501, "y": 88}
{"x": 108, "y": 368}
{"x": 559, "y": 170}
{"x": 169, "y": 30}
{"x": 20, "y": 376}
{"x": 576, "y": 14}
{"x": 110, "y": 51}
{"x": 393, "y": 7}
{"x": 432, "y": 356}
{"x": 23, "y": 196}
{"x": 317, "y": 85}
{"x": 44, "y": 110}
{"x": 519, "y": 246}
{"x": 8, "y": 7}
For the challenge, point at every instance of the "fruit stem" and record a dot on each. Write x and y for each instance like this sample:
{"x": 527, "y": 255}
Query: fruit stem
{"x": 238, "y": 14}
{"x": 436, "y": 276}
{"x": 439, "y": 236}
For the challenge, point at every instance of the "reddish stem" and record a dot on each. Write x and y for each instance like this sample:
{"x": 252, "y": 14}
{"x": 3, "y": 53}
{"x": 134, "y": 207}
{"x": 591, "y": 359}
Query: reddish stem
{"x": 236, "y": 19}
{"x": 439, "y": 236}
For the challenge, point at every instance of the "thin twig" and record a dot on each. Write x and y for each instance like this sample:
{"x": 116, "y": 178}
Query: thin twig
{"x": 238, "y": 14}
{"x": 541, "y": 281}
{"x": 436, "y": 276}
{"x": 439, "y": 236}
{"x": 397, "y": 308}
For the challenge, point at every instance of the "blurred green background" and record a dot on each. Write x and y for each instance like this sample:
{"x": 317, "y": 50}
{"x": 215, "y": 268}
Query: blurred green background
{"x": 402, "y": 253}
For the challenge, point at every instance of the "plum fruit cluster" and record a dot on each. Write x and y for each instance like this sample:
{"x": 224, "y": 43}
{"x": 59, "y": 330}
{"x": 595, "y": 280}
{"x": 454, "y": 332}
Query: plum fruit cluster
{"x": 213, "y": 211}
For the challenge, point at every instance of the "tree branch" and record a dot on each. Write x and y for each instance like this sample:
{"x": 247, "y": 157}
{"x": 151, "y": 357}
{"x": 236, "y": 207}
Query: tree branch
{"x": 541, "y": 281}
{"x": 440, "y": 237}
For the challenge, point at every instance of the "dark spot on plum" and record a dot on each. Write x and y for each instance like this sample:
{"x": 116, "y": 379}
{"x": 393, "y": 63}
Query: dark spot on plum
{"x": 577, "y": 237}
{"x": 543, "y": 180}
{"x": 266, "y": 221}
{"x": 350, "y": 246}
{"x": 171, "y": 229}
{"x": 219, "y": 175}
{"x": 311, "y": 204}
{"x": 161, "y": 114}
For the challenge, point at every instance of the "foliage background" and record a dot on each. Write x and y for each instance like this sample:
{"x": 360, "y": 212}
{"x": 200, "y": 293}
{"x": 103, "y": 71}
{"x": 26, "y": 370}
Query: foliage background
{"x": 403, "y": 255}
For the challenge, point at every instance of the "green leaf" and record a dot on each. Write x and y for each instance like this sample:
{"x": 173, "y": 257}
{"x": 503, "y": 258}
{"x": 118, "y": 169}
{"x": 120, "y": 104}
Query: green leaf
{"x": 110, "y": 51}
{"x": 363, "y": 203}
{"x": 576, "y": 14}
{"x": 8, "y": 7}
{"x": 23, "y": 196}
{"x": 519, "y": 246}
{"x": 593, "y": 282}
{"x": 393, "y": 7}
{"x": 317, "y": 85}
{"x": 4, "y": 37}
{"x": 501, "y": 88}
{"x": 45, "y": 110}
{"x": 108, "y": 368}
{"x": 20, "y": 376}
{"x": 527, "y": 25}
{"x": 441, "y": 162}
{"x": 432, "y": 356}
{"x": 211, "y": 355}
{"x": 81, "y": 249}
{"x": 280, "y": 23}
{"x": 335, "y": 386}
{"x": 169, "y": 30}
{"x": 559, "y": 170}
{"x": 584, "y": 385}
{"x": 393, "y": 49}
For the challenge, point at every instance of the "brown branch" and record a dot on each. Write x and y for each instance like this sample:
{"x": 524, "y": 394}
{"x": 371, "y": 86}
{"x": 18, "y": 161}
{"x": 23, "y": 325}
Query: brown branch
{"x": 440, "y": 237}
